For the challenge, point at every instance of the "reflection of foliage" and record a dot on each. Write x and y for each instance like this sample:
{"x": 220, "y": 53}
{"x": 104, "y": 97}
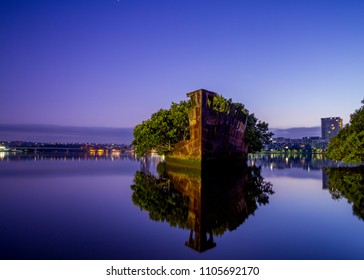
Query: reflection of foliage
{"x": 161, "y": 201}
{"x": 258, "y": 190}
{"x": 228, "y": 198}
{"x": 348, "y": 183}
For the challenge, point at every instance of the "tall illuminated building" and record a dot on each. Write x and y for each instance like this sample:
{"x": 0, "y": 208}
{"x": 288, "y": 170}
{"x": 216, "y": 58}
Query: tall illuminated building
{"x": 330, "y": 127}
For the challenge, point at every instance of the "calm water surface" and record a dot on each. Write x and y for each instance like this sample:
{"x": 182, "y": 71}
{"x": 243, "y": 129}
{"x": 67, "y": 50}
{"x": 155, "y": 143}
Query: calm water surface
{"x": 116, "y": 207}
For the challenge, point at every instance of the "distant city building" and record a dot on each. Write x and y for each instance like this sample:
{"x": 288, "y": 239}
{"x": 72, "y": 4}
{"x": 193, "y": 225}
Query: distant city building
{"x": 330, "y": 127}
{"x": 281, "y": 140}
{"x": 311, "y": 140}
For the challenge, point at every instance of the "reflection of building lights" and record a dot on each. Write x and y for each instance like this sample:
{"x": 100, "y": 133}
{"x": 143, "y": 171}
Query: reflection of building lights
{"x": 2, "y": 155}
{"x": 115, "y": 153}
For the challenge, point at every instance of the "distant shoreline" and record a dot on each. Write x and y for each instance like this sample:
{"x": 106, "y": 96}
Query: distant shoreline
{"x": 65, "y": 134}
{"x": 26, "y": 149}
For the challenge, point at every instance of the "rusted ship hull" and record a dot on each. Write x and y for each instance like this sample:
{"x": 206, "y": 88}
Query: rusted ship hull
{"x": 214, "y": 135}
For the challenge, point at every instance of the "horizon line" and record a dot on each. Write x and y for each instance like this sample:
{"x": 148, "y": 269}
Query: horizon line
{"x": 118, "y": 127}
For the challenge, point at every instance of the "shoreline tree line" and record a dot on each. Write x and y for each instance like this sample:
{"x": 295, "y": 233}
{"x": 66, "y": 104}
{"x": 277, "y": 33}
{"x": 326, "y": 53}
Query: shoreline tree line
{"x": 348, "y": 145}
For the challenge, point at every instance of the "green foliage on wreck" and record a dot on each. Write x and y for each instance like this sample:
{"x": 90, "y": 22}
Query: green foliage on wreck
{"x": 163, "y": 130}
{"x": 167, "y": 127}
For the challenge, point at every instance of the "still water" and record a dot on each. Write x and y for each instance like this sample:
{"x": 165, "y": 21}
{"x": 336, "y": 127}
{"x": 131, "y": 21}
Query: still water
{"x": 118, "y": 207}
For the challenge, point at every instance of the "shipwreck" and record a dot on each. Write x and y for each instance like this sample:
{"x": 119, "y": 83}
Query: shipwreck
{"x": 214, "y": 134}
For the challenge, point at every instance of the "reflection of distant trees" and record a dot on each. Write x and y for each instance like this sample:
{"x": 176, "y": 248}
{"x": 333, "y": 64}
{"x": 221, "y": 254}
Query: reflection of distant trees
{"x": 348, "y": 183}
{"x": 282, "y": 161}
{"x": 208, "y": 203}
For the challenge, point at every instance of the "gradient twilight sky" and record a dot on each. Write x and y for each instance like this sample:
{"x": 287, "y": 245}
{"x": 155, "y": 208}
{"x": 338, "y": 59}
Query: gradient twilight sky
{"x": 110, "y": 63}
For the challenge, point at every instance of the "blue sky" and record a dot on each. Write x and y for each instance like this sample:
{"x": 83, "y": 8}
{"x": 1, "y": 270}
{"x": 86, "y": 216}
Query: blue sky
{"x": 109, "y": 63}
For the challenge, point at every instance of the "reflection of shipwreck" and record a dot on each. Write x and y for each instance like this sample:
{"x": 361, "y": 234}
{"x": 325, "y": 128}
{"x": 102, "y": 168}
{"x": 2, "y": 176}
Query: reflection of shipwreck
{"x": 208, "y": 201}
{"x": 213, "y": 134}
{"x": 216, "y": 204}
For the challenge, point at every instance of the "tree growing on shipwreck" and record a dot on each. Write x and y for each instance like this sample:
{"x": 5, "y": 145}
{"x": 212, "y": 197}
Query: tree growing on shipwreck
{"x": 207, "y": 125}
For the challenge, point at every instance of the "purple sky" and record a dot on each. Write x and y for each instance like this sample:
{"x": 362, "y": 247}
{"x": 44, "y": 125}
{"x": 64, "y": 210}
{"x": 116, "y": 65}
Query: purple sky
{"x": 110, "y": 63}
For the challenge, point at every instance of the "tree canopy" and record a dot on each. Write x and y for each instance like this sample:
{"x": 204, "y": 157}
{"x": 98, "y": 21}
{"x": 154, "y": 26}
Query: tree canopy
{"x": 348, "y": 145}
{"x": 167, "y": 127}
{"x": 163, "y": 130}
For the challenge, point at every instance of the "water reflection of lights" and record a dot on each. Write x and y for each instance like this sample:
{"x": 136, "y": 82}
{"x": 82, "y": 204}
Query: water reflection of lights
{"x": 115, "y": 154}
{"x": 68, "y": 157}
{"x": 271, "y": 166}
